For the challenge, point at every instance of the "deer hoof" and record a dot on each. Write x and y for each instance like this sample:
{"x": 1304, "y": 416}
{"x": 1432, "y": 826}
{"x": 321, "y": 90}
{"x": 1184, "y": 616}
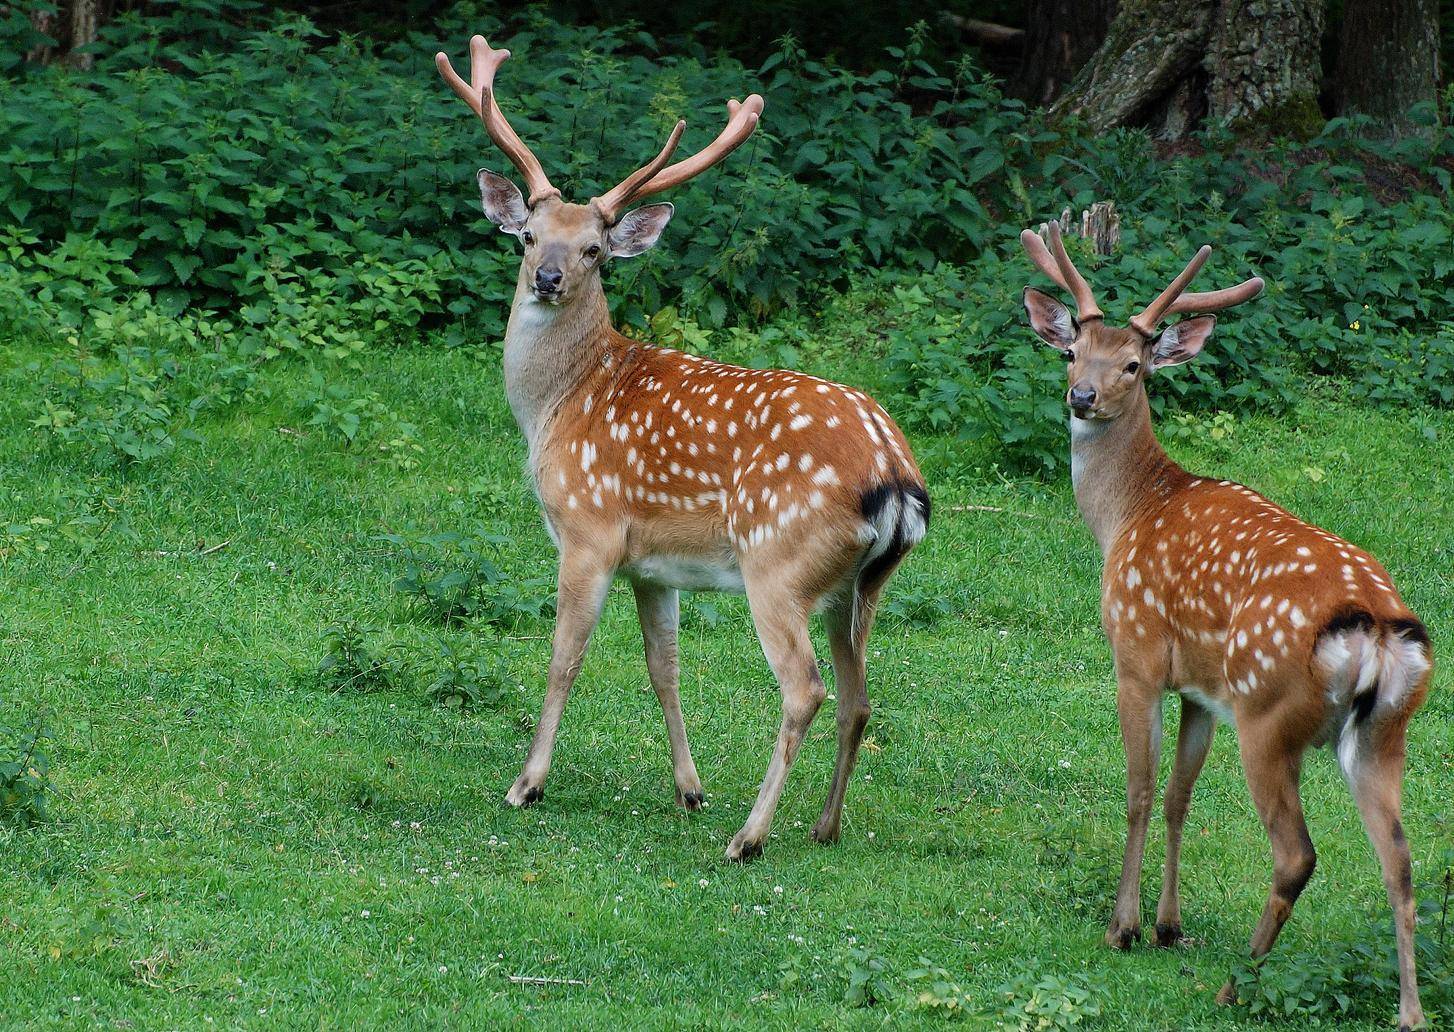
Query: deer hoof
{"x": 1168, "y": 935}
{"x": 1227, "y": 995}
{"x": 740, "y": 849}
{"x": 692, "y": 800}
{"x": 522, "y": 793}
{"x": 824, "y": 833}
{"x": 1118, "y": 938}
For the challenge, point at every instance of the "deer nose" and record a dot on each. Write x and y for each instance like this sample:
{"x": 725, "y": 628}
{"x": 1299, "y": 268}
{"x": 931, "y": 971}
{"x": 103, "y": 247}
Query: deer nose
{"x": 547, "y": 281}
{"x": 1082, "y": 397}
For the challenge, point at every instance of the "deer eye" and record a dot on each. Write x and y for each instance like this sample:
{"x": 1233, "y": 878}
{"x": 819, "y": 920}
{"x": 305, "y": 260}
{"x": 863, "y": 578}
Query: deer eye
{"x": 593, "y": 252}
{"x": 1131, "y": 367}
{"x": 1068, "y": 355}
{"x": 528, "y": 237}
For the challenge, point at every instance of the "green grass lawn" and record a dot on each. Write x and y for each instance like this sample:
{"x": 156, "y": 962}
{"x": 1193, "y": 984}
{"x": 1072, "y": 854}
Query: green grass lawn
{"x": 233, "y": 846}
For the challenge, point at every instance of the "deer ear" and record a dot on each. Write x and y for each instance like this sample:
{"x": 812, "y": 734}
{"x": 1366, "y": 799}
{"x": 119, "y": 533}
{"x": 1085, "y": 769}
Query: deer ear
{"x": 1181, "y": 343}
{"x": 638, "y": 230}
{"x": 503, "y": 203}
{"x": 1051, "y": 320}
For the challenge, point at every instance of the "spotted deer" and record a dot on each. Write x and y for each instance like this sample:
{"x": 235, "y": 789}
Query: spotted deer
{"x": 676, "y": 472}
{"x": 1209, "y": 590}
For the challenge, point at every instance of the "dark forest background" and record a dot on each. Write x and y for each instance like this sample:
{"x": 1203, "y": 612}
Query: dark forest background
{"x": 265, "y": 181}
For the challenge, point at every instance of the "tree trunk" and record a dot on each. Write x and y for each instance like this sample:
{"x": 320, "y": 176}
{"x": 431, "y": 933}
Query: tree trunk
{"x": 1150, "y": 48}
{"x": 1170, "y": 65}
{"x": 86, "y": 16}
{"x": 1060, "y": 36}
{"x": 1388, "y": 60}
{"x": 73, "y": 25}
{"x": 1264, "y": 65}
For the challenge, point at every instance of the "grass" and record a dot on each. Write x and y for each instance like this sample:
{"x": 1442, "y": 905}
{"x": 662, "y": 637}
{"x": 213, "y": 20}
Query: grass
{"x": 232, "y": 846}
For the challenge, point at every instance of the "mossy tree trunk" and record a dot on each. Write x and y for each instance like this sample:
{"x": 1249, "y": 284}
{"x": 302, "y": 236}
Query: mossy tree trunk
{"x": 1060, "y": 36}
{"x": 1388, "y": 59}
{"x": 1173, "y": 65}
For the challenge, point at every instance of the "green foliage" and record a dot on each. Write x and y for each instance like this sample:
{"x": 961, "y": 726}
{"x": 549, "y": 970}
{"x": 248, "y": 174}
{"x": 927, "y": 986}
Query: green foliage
{"x": 319, "y": 192}
{"x": 451, "y": 577}
{"x": 464, "y": 681}
{"x": 1047, "y": 1001}
{"x": 351, "y": 663}
{"x": 866, "y": 977}
{"x": 1346, "y": 981}
{"x": 24, "y": 773}
{"x": 935, "y": 990}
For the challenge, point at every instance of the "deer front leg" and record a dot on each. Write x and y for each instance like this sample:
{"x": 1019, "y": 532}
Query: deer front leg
{"x": 581, "y": 586}
{"x": 658, "y": 609}
{"x": 1138, "y": 704}
{"x": 782, "y": 626}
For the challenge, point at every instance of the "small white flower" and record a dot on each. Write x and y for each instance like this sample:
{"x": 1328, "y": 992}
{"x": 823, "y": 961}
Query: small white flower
{"x": 364, "y": 913}
{"x": 443, "y": 970}
{"x": 702, "y": 883}
{"x": 778, "y": 889}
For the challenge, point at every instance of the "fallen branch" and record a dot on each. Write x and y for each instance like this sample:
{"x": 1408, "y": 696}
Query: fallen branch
{"x": 990, "y": 33}
{"x": 537, "y": 980}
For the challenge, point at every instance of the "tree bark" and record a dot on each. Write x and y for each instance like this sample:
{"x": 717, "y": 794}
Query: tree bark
{"x": 1388, "y": 60}
{"x": 1150, "y": 48}
{"x": 1060, "y": 36}
{"x": 1171, "y": 65}
{"x": 75, "y": 24}
{"x": 1265, "y": 65}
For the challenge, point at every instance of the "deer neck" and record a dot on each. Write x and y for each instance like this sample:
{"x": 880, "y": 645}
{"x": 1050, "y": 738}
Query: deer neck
{"x": 549, "y": 350}
{"x": 1117, "y": 467}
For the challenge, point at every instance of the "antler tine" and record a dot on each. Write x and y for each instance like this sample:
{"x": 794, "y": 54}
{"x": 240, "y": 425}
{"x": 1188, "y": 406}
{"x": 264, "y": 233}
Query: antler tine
{"x": 741, "y": 121}
{"x": 1056, "y": 264}
{"x": 1215, "y": 300}
{"x": 479, "y": 94}
{"x": 610, "y": 203}
{"x": 1145, "y": 322}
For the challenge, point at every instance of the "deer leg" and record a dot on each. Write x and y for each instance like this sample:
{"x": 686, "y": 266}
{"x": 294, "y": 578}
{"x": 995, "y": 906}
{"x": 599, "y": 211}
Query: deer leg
{"x": 1375, "y": 774}
{"x": 581, "y": 584}
{"x": 1193, "y": 742}
{"x": 1138, "y": 704}
{"x": 782, "y": 627}
{"x": 658, "y": 610}
{"x": 848, "y": 625}
{"x": 1273, "y": 771}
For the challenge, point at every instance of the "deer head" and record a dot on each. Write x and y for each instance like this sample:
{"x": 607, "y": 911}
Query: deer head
{"x": 1108, "y": 365}
{"x": 566, "y": 244}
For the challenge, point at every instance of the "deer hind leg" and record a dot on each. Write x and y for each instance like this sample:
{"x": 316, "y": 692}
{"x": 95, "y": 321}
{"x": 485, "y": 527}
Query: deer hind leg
{"x": 782, "y": 626}
{"x": 848, "y": 624}
{"x": 1374, "y": 769}
{"x": 658, "y": 610}
{"x": 1138, "y": 704}
{"x": 1273, "y": 765}
{"x": 581, "y": 585}
{"x": 1193, "y": 741}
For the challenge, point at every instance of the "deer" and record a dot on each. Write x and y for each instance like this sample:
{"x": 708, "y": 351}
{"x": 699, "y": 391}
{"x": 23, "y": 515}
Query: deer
{"x": 1252, "y": 616}
{"x": 675, "y": 472}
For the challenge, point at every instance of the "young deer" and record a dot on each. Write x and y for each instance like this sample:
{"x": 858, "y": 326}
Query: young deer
{"x": 1291, "y": 634}
{"x": 676, "y": 472}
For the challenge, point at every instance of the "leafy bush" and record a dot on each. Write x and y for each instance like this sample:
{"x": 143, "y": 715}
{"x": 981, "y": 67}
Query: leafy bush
{"x": 469, "y": 681}
{"x": 1356, "y": 981}
{"x": 318, "y": 194}
{"x": 24, "y": 773}
{"x": 1048, "y": 1001}
{"x": 450, "y": 578}
{"x": 351, "y": 663}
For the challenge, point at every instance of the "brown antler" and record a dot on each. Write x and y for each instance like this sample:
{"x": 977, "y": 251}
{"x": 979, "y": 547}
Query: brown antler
{"x": 479, "y": 94}
{"x": 1061, "y": 269}
{"x": 653, "y": 178}
{"x": 1172, "y": 300}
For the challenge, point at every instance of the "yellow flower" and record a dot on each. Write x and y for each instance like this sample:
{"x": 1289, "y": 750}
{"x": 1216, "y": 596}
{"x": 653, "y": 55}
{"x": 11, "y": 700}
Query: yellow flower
{"x": 1353, "y": 325}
